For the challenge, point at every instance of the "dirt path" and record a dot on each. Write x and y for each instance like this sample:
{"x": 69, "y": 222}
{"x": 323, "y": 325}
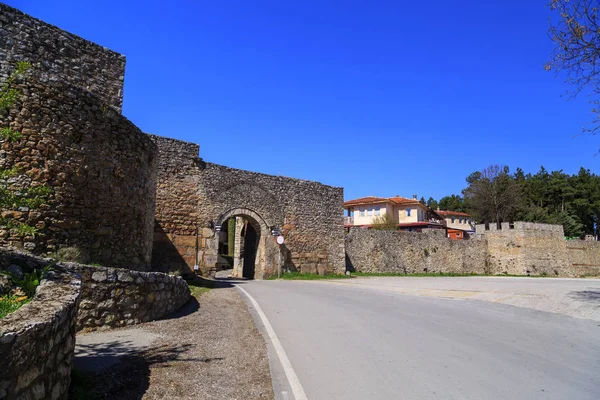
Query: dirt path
{"x": 210, "y": 350}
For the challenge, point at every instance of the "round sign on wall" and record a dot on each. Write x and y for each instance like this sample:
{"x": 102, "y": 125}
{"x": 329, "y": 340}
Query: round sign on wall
{"x": 280, "y": 239}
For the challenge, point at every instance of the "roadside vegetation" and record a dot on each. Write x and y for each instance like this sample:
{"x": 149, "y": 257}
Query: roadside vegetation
{"x": 309, "y": 277}
{"x": 9, "y": 304}
{"x": 199, "y": 286}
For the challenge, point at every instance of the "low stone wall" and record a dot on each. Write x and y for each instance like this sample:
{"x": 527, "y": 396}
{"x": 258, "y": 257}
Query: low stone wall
{"x": 37, "y": 341}
{"x": 114, "y": 297}
{"x": 369, "y": 250}
{"x": 584, "y": 257}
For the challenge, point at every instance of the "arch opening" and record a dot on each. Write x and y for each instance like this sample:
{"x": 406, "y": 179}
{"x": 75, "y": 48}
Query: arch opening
{"x": 243, "y": 244}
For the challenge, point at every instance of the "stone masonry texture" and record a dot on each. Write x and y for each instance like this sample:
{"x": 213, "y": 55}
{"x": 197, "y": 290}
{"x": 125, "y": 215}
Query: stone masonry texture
{"x": 521, "y": 248}
{"x": 101, "y": 170}
{"x": 59, "y": 55}
{"x": 111, "y": 297}
{"x": 37, "y": 341}
{"x": 532, "y": 248}
{"x": 369, "y": 250}
{"x": 114, "y": 297}
{"x": 192, "y": 194}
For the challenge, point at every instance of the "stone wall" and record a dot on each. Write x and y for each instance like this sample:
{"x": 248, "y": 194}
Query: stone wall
{"x": 370, "y": 250}
{"x": 59, "y": 55}
{"x": 37, "y": 342}
{"x": 101, "y": 169}
{"x": 111, "y": 297}
{"x": 193, "y": 194}
{"x": 584, "y": 257}
{"x": 114, "y": 297}
{"x": 525, "y": 248}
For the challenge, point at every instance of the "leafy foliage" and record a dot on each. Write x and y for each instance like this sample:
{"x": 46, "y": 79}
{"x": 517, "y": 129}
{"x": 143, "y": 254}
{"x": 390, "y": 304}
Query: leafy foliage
{"x": 9, "y": 304}
{"x": 384, "y": 222}
{"x": 30, "y": 281}
{"x": 492, "y": 194}
{"x": 452, "y": 203}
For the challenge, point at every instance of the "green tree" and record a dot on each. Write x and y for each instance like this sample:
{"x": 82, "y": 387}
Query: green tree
{"x": 432, "y": 203}
{"x": 452, "y": 203}
{"x": 492, "y": 195}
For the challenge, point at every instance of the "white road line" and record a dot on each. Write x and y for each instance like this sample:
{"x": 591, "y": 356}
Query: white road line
{"x": 297, "y": 389}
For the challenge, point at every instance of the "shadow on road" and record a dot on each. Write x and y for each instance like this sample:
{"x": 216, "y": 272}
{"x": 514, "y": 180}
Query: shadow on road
{"x": 592, "y": 296}
{"x": 120, "y": 372}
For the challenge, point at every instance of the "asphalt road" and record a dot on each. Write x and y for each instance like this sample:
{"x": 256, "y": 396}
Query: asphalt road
{"x": 361, "y": 340}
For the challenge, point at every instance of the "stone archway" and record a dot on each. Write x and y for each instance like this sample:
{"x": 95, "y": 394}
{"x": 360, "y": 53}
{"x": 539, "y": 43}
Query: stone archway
{"x": 253, "y": 249}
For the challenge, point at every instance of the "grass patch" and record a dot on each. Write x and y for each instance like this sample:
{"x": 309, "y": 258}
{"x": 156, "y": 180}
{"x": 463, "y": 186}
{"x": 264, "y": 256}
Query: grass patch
{"x": 309, "y": 277}
{"x": 9, "y": 304}
{"x": 443, "y": 274}
{"x": 199, "y": 286}
{"x": 420, "y": 274}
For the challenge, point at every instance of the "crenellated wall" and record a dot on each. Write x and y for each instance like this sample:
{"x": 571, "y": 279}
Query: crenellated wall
{"x": 193, "y": 194}
{"x": 57, "y": 55}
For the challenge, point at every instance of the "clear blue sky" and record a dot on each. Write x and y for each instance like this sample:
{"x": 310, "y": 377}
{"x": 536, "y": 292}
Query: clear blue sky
{"x": 380, "y": 97}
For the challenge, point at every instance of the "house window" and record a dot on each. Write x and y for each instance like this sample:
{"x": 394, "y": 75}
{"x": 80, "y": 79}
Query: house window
{"x": 369, "y": 211}
{"x": 452, "y": 219}
{"x": 460, "y": 220}
{"x": 362, "y": 212}
{"x": 408, "y": 212}
{"x": 377, "y": 210}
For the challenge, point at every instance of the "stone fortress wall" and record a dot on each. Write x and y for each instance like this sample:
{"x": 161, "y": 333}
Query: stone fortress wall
{"x": 193, "y": 194}
{"x": 100, "y": 167}
{"x": 101, "y": 170}
{"x": 522, "y": 248}
{"x": 57, "y": 55}
{"x": 532, "y": 248}
{"x": 380, "y": 251}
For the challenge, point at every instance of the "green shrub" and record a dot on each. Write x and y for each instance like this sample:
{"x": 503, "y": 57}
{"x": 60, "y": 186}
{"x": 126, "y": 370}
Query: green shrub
{"x": 69, "y": 254}
{"x": 30, "y": 281}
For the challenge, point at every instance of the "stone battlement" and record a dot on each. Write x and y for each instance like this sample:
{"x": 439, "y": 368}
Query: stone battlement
{"x": 518, "y": 226}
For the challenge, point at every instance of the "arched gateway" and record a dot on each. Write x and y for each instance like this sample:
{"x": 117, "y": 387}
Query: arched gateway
{"x": 197, "y": 201}
{"x": 253, "y": 246}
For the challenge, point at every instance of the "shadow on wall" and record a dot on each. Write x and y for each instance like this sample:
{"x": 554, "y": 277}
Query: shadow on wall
{"x": 165, "y": 256}
{"x": 591, "y": 296}
{"x": 127, "y": 372}
{"x": 349, "y": 266}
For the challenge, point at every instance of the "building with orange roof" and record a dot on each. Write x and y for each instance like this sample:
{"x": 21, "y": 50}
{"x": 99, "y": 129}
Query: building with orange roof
{"x": 458, "y": 224}
{"x": 409, "y": 214}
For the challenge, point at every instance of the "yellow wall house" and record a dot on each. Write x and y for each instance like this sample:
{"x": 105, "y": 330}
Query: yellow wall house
{"x": 459, "y": 224}
{"x": 409, "y": 214}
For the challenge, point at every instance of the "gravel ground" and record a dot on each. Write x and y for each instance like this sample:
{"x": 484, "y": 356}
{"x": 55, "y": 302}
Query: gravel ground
{"x": 209, "y": 350}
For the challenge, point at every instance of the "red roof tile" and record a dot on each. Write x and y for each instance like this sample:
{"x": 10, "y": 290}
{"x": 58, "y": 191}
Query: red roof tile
{"x": 374, "y": 200}
{"x": 451, "y": 213}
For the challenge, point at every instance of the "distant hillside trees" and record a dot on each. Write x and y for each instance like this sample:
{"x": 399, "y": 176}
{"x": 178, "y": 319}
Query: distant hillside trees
{"x": 496, "y": 195}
